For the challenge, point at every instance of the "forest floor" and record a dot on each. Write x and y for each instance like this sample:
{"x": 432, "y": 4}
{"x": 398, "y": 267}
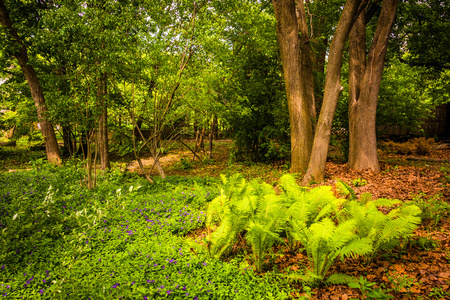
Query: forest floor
{"x": 418, "y": 269}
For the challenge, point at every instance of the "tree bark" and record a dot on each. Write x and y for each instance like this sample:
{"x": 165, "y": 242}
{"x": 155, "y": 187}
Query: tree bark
{"x": 69, "y": 141}
{"x": 364, "y": 85}
{"x": 298, "y": 105}
{"x": 211, "y": 137}
{"x": 306, "y": 66}
{"x": 103, "y": 122}
{"x": 333, "y": 88}
{"x": 20, "y": 53}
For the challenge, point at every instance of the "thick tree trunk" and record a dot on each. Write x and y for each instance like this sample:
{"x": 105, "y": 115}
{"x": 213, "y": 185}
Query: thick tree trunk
{"x": 299, "y": 110}
{"x": 306, "y": 66}
{"x": 364, "y": 85}
{"x": 51, "y": 144}
{"x": 333, "y": 88}
{"x": 103, "y": 122}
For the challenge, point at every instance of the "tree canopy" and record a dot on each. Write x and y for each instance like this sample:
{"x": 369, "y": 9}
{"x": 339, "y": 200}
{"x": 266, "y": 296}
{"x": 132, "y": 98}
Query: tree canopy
{"x": 175, "y": 67}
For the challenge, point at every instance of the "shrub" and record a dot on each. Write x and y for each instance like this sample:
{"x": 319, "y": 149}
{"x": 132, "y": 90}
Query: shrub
{"x": 417, "y": 146}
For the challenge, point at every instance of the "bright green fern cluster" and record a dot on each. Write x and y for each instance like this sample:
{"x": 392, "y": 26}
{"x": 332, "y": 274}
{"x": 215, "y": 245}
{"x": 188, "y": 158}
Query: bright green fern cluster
{"x": 312, "y": 220}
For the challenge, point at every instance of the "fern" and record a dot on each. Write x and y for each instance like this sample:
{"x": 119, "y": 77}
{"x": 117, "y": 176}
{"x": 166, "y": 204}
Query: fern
{"x": 242, "y": 208}
{"x": 346, "y": 189}
{"x": 385, "y": 231}
{"x": 325, "y": 242}
{"x": 306, "y": 208}
{"x": 338, "y": 278}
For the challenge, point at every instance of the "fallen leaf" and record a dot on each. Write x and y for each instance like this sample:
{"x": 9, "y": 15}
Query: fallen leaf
{"x": 445, "y": 275}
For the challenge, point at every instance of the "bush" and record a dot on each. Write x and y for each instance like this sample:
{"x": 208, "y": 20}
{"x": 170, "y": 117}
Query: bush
{"x": 416, "y": 146}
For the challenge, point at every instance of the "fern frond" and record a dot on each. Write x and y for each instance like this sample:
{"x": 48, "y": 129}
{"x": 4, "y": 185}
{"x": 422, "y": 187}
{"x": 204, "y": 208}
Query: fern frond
{"x": 260, "y": 239}
{"x": 300, "y": 232}
{"x": 338, "y": 278}
{"x": 300, "y": 211}
{"x": 348, "y": 189}
{"x": 357, "y": 247}
{"x": 322, "y": 194}
{"x": 323, "y": 229}
{"x": 385, "y": 202}
{"x": 324, "y": 211}
{"x": 215, "y": 207}
{"x": 397, "y": 228}
{"x": 343, "y": 233}
{"x": 300, "y": 277}
{"x": 410, "y": 210}
{"x": 290, "y": 187}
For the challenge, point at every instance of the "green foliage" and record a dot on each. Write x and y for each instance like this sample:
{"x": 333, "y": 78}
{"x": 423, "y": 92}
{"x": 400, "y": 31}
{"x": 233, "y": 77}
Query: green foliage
{"x": 240, "y": 206}
{"x": 401, "y": 282}
{"x": 434, "y": 208}
{"x": 326, "y": 227}
{"x": 185, "y": 163}
{"x": 59, "y": 240}
{"x": 367, "y": 290}
{"x": 345, "y": 190}
{"x": 384, "y": 231}
{"x": 260, "y": 120}
{"x": 256, "y": 106}
{"x": 404, "y": 100}
{"x": 358, "y": 182}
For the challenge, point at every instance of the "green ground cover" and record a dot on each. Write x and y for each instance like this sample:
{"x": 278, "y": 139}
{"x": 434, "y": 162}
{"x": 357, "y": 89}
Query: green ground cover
{"x": 125, "y": 239}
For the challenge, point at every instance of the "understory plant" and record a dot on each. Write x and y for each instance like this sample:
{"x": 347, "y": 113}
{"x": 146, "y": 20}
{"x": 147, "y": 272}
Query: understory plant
{"x": 253, "y": 208}
{"x": 59, "y": 240}
{"x": 314, "y": 220}
{"x": 385, "y": 231}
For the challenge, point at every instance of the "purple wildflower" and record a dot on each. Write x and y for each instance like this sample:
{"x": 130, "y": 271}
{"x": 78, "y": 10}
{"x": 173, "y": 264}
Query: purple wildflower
{"x": 28, "y": 281}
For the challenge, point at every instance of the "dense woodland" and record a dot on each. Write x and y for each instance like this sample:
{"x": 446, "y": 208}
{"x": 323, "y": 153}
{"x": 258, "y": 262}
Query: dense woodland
{"x": 278, "y": 78}
{"x": 117, "y": 119}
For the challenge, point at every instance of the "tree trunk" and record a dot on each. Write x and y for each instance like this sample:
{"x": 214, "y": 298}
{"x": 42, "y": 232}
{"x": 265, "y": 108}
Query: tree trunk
{"x": 211, "y": 138}
{"x": 364, "y": 85}
{"x": 103, "y": 122}
{"x": 69, "y": 141}
{"x": 298, "y": 105}
{"x": 333, "y": 88}
{"x": 306, "y": 66}
{"x": 51, "y": 144}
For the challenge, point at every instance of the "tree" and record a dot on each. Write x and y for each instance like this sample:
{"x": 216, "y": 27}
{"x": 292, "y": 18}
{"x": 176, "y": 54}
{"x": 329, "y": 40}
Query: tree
{"x": 313, "y": 151}
{"x": 298, "y": 104}
{"x": 19, "y": 51}
{"x": 364, "y": 85}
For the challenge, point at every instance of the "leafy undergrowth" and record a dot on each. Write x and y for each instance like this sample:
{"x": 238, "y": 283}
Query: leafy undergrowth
{"x": 419, "y": 268}
{"x": 123, "y": 240}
